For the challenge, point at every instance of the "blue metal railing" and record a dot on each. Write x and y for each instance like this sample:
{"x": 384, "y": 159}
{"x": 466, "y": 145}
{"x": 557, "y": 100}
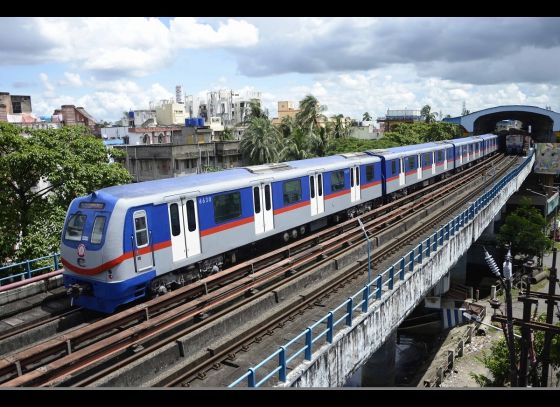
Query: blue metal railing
{"x": 28, "y": 268}
{"x": 373, "y": 290}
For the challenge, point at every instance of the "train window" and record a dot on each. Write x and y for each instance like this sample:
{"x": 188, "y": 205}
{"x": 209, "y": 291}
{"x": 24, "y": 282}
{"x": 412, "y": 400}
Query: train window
{"x": 440, "y": 155}
{"x": 370, "y": 173}
{"x": 175, "y": 222}
{"x": 411, "y": 163}
{"x": 351, "y": 177}
{"x": 98, "y": 226}
{"x": 337, "y": 180}
{"x": 227, "y": 206}
{"x": 257, "y": 199}
{"x": 141, "y": 229}
{"x": 357, "y": 176}
{"x": 191, "y": 218}
{"x": 428, "y": 159}
{"x": 312, "y": 186}
{"x": 320, "y": 184}
{"x": 75, "y": 227}
{"x": 267, "y": 200}
{"x": 292, "y": 191}
{"x": 394, "y": 167}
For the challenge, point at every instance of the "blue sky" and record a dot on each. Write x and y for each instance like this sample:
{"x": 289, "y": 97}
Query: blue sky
{"x": 352, "y": 65}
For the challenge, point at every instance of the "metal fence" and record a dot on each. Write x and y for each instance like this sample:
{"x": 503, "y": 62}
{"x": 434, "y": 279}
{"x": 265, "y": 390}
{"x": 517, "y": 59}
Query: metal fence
{"x": 28, "y": 268}
{"x": 317, "y": 334}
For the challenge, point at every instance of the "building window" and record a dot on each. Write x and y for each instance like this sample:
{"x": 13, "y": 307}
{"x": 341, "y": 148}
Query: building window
{"x": 16, "y": 107}
{"x": 292, "y": 191}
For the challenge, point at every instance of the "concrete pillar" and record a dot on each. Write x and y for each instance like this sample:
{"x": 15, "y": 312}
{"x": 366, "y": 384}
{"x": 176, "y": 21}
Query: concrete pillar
{"x": 379, "y": 370}
{"x": 459, "y": 270}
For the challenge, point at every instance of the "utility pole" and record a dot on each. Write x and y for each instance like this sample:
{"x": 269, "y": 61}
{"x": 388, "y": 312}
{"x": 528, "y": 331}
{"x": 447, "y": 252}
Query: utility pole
{"x": 552, "y": 279}
{"x": 508, "y": 333}
{"x": 509, "y": 313}
{"x": 525, "y": 336}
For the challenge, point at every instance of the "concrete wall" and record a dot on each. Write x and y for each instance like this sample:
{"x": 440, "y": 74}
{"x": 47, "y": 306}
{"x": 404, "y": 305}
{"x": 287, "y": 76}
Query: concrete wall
{"x": 333, "y": 364}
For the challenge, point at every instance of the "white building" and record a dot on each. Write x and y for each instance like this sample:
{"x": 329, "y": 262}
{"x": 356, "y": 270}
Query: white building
{"x": 169, "y": 112}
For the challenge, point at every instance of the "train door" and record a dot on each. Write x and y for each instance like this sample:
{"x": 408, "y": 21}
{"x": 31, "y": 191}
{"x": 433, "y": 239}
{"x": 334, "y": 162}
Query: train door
{"x": 419, "y": 167}
{"x": 461, "y": 154}
{"x": 444, "y": 153}
{"x": 185, "y": 234}
{"x": 190, "y": 223}
{"x": 178, "y": 244}
{"x": 433, "y": 155}
{"x": 402, "y": 174}
{"x": 316, "y": 193}
{"x": 262, "y": 204}
{"x": 355, "y": 183}
{"x": 142, "y": 239}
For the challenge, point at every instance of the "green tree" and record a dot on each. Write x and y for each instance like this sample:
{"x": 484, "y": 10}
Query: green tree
{"x": 415, "y": 133}
{"x": 40, "y": 173}
{"x": 227, "y": 135}
{"x": 339, "y": 128}
{"x": 366, "y": 117}
{"x": 295, "y": 146}
{"x": 254, "y": 111}
{"x": 497, "y": 360}
{"x": 524, "y": 228}
{"x": 261, "y": 142}
{"x": 309, "y": 114}
{"x": 427, "y": 114}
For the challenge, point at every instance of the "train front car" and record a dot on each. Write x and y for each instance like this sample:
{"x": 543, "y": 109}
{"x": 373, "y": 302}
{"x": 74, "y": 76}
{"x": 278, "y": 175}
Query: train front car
{"x": 95, "y": 263}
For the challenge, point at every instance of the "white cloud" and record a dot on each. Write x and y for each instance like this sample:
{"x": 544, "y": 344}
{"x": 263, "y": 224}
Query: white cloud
{"x": 186, "y": 32}
{"x": 112, "y": 47}
{"x": 71, "y": 79}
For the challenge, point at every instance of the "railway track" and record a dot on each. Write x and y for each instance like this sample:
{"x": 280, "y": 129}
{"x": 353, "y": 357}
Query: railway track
{"x": 63, "y": 358}
{"x": 226, "y": 354}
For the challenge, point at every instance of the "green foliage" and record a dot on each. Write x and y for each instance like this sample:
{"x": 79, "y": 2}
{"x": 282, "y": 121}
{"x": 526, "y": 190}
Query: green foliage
{"x": 351, "y": 145}
{"x": 227, "y": 135}
{"x": 427, "y": 114}
{"x": 40, "y": 173}
{"x": 497, "y": 362}
{"x": 417, "y": 133}
{"x": 366, "y": 117}
{"x": 524, "y": 229}
{"x": 261, "y": 142}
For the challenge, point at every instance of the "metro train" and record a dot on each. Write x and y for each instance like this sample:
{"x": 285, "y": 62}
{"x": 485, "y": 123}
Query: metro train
{"x": 126, "y": 242}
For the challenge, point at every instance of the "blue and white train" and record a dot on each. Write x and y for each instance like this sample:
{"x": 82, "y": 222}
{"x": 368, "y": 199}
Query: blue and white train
{"x": 124, "y": 242}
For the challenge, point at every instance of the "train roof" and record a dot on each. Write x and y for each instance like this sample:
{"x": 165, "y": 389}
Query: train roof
{"x": 403, "y": 151}
{"x": 172, "y": 185}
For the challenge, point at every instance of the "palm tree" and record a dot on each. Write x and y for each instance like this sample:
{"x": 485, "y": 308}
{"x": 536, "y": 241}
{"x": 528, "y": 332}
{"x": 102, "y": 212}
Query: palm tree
{"x": 253, "y": 110}
{"x": 320, "y": 141}
{"x": 366, "y": 117}
{"x": 287, "y": 126}
{"x": 260, "y": 143}
{"x": 429, "y": 117}
{"x": 309, "y": 113}
{"x": 339, "y": 129}
{"x": 295, "y": 146}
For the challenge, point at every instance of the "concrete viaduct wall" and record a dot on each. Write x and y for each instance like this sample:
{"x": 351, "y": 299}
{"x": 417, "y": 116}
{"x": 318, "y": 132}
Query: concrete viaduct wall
{"x": 332, "y": 364}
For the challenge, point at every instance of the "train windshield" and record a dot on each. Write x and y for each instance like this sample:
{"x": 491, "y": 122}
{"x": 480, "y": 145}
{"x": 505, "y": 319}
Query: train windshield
{"x": 75, "y": 227}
